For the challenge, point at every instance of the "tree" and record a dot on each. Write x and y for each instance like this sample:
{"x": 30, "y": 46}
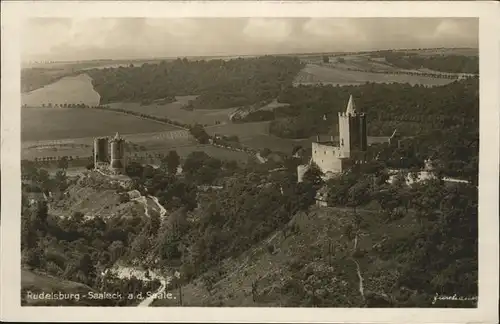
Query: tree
{"x": 199, "y": 134}
{"x": 201, "y": 168}
{"x": 359, "y": 194}
{"x": 172, "y": 162}
{"x": 86, "y": 266}
{"x": 116, "y": 250}
{"x": 313, "y": 176}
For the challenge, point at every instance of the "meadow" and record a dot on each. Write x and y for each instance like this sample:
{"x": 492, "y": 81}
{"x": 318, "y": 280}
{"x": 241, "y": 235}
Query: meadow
{"x": 174, "y": 111}
{"x": 316, "y": 74}
{"x": 66, "y": 123}
{"x": 68, "y": 90}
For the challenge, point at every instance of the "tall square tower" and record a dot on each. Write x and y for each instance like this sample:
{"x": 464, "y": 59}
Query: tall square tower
{"x": 353, "y": 141}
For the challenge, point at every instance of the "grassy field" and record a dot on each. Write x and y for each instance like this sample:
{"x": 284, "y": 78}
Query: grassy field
{"x": 68, "y": 90}
{"x": 243, "y": 131}
{"x": 216, "y": 152}
{"x": 60, "y": 123}
{"x": 145, "y": 144}
{"x": 174, "y": 111}
{"x": 316, "y": 74}
{"x": 256, "y": 135}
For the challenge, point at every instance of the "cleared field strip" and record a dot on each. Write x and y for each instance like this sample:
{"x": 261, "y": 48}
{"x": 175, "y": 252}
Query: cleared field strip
{"x": 315, "y": 74}
{"x": 59, "y": 124}
{"x": 175, "y": 111}
{"x": 169, "y": 135}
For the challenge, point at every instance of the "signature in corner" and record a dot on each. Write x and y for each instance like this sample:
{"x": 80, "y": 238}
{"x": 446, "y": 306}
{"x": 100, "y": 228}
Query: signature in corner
{"x": 454, "y": 297}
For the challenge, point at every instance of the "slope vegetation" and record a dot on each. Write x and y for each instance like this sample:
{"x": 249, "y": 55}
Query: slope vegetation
{"x": 313, "y": 261}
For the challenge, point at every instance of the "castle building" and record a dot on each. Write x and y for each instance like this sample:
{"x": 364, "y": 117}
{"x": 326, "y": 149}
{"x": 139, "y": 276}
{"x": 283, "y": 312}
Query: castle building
{"x": 110, "y": 160}
{"x": 101, "y": 157}
{"x": 118, "y": 162}
{"x": 333, "y": 158}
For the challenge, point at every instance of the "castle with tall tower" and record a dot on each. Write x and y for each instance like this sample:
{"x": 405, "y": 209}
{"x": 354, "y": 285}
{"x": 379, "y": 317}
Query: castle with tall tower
{"x": 114, "y": 162}
{"x": 332, "y": 157}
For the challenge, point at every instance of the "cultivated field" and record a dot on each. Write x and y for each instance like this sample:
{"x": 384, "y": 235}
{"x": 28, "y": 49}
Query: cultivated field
{"x": 68, "y": 123}
{"x": 216, "y": 152}
{"x": 243, "y": 131}
{"x": 447, "y": 51}
{"x": 174, "y": 111}
{"x": 68, "y": 90}
{"x": 139, "y": 146}
{"x": 316, "y": 74}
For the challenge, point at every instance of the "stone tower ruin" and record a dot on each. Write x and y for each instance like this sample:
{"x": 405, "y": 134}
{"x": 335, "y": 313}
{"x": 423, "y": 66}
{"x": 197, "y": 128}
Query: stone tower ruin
{"x": 118, "y": 162}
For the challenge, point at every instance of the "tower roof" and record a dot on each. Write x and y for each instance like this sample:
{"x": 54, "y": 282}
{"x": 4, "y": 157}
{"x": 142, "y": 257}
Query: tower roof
{"x": 116, "y": 137}
{"x": 351, "y": 108}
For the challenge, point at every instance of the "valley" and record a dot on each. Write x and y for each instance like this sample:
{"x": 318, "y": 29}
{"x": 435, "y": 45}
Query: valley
{"x": 209, "y": 208}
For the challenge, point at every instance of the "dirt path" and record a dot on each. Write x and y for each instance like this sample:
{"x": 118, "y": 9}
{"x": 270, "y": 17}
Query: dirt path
{"x": 147, "y": 302}
{"x": 163, "y": 211}
{"x": 124, "y": 272}
{"x": 358, "y": 269}
{"x": 361, "y": 288}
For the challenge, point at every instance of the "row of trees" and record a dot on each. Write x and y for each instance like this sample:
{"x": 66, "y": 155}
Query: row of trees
{"x": 443, "y": 63}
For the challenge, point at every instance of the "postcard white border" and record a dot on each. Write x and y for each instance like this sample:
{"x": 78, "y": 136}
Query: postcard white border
{"x": 488, "y": 12}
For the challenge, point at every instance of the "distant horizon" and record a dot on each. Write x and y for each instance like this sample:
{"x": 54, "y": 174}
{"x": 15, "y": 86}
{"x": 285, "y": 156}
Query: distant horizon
{"x": 236, "y": 55}
{"x": 75, "y": 39}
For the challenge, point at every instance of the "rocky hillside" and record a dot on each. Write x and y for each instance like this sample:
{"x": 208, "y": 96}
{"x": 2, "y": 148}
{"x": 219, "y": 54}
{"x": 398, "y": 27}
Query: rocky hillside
{"x": 313, "y": 260}
{"x": 95, "y": 196}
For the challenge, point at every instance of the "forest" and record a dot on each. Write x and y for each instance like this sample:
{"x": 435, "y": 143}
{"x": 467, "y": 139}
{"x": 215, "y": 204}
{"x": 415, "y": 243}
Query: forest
{"x": 219, "y": 83}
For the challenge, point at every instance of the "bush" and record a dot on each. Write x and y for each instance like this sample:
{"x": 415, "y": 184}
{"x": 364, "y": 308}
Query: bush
{"x": 124, "y": 198}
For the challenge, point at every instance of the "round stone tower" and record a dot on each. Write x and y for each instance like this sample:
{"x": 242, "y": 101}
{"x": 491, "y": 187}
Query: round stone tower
{"x": 100, "y": 151}
{"x": 118, "y": 162}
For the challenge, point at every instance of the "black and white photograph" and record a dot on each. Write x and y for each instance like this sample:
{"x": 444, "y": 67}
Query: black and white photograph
{"x": 246, "y": 162}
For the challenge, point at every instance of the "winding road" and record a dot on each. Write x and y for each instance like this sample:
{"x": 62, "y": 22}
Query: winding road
{"x": 147, "y": 302}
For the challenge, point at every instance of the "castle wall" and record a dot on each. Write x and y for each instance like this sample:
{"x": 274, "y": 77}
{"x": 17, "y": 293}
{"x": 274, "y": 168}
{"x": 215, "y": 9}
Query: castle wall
{"x": 118, "y": 154}
{"x": 344, "y": 138}
{"x": 357, "y": 126}
{"x": 100, "y": 150}
{"x": 352, "y": 133}
{"x": 327, "y": 158}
